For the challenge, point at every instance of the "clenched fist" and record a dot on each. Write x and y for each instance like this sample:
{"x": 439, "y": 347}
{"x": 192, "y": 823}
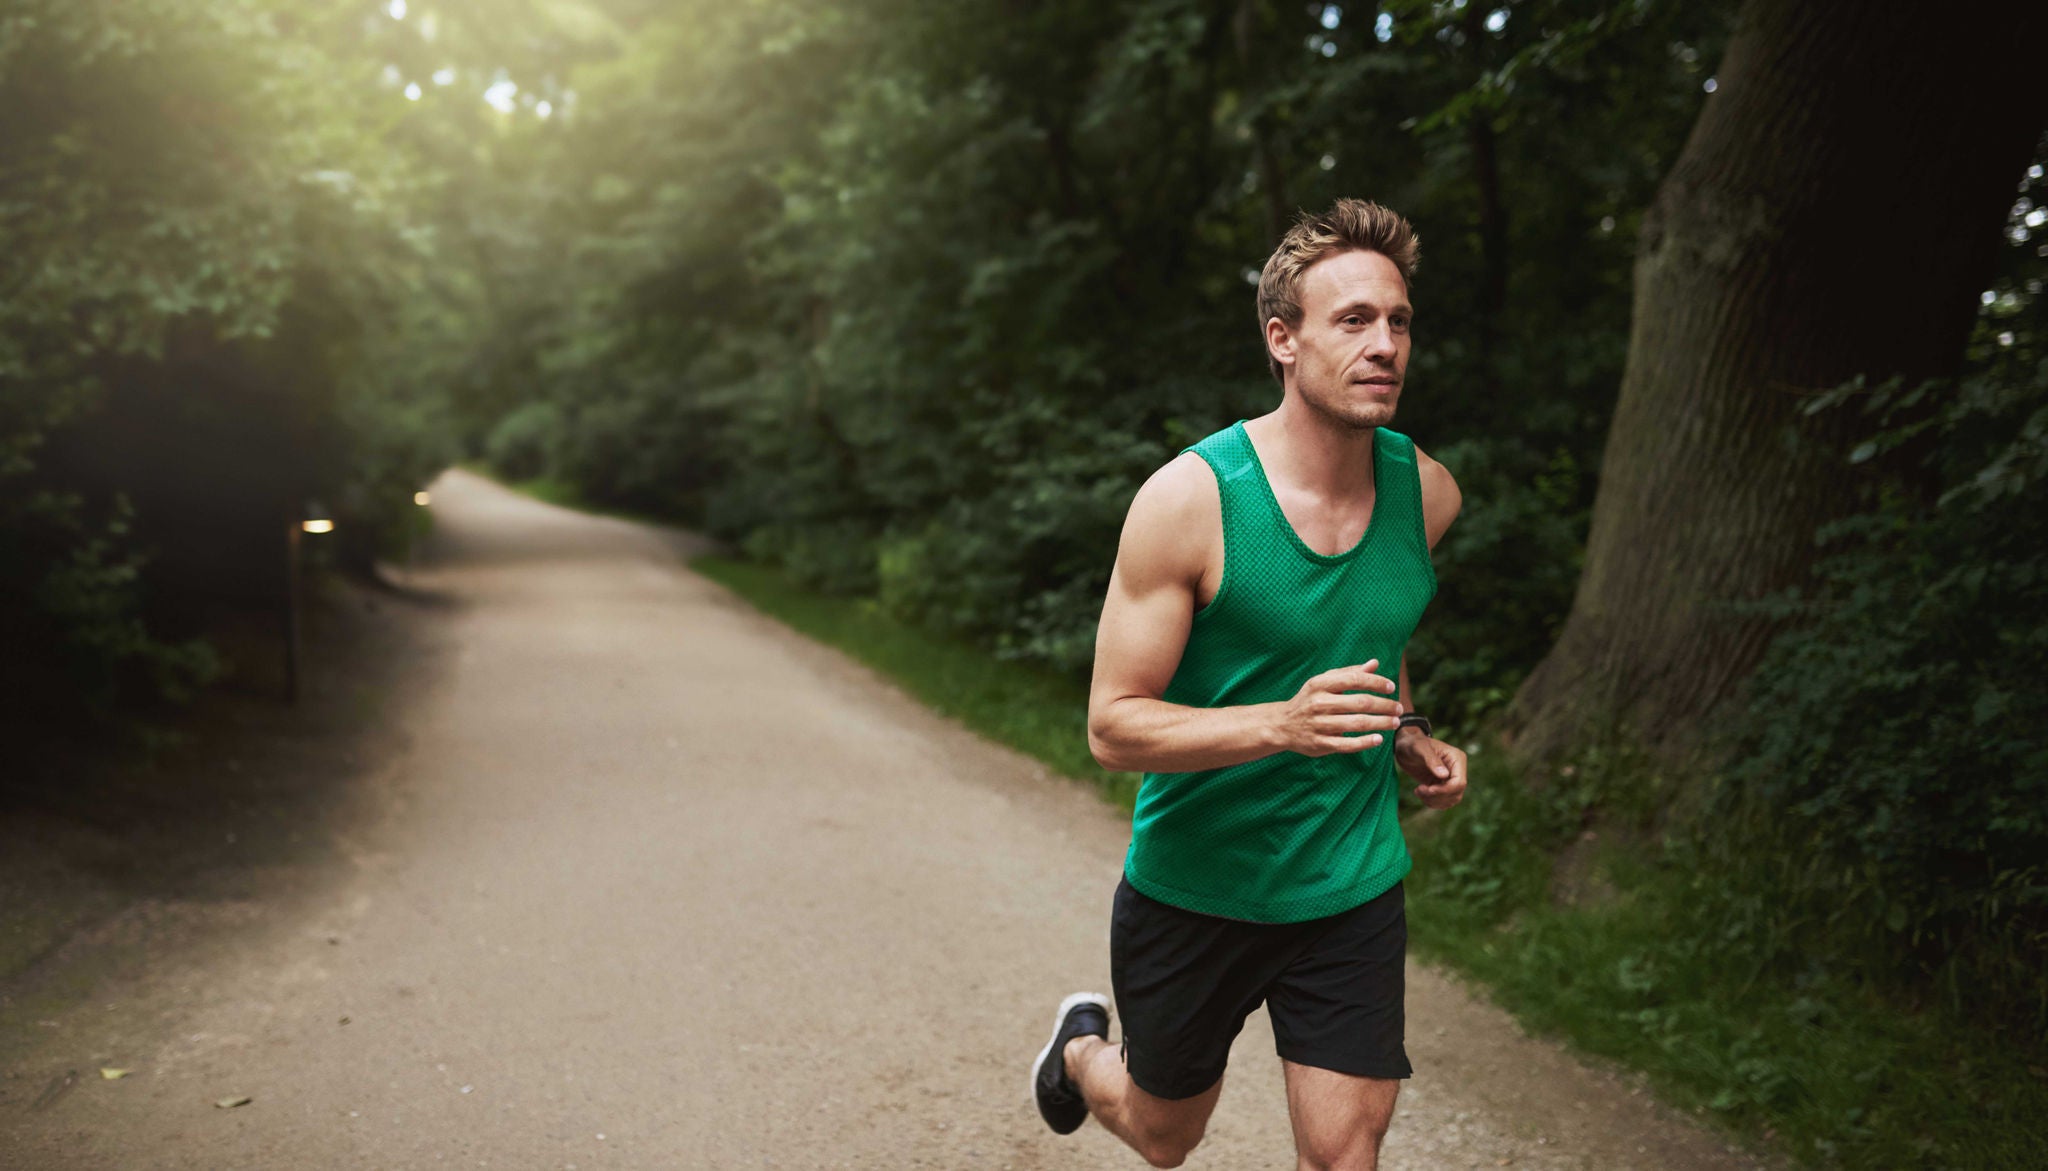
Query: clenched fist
{"x": 1439, "y": 767}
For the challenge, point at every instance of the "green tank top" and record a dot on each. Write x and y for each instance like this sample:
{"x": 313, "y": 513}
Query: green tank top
{"x": 1288, "y": 837}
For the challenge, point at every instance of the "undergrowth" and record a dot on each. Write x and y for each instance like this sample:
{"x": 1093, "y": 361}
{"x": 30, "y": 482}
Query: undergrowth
{"x": 1641, "y": 965}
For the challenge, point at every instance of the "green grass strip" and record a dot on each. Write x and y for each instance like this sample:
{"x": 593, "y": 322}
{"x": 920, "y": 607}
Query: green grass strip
{"x": 1035, "y": 711}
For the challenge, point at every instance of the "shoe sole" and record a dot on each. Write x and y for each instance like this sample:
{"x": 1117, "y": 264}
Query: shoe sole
{"x": 1059, "y": 1018}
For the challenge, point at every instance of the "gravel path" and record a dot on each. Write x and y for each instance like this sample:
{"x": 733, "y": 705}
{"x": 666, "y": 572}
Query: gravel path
{"x": 656, "y": 883}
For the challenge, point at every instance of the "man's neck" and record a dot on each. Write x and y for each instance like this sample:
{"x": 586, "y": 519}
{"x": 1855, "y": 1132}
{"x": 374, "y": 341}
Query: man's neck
{"x": 1313, "y": 454}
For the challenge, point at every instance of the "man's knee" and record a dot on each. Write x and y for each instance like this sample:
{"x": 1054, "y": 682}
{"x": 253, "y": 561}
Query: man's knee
{"x": 1360, "y": 1148}
{"x": 1168, "y": 1149}
{"x": 1166, "y": 1130}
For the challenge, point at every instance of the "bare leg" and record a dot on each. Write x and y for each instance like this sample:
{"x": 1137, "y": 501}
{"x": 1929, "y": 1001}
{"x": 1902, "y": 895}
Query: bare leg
{"x": 1339, "y": 1118}
{"x": 1163, "y": 1130}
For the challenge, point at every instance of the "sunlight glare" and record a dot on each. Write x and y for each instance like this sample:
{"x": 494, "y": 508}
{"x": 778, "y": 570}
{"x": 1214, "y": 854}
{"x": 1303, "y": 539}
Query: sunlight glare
{"x": 502, "y": 96}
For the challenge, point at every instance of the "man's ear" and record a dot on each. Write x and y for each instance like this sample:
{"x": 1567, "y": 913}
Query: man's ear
{"x": 1279, "y": 341}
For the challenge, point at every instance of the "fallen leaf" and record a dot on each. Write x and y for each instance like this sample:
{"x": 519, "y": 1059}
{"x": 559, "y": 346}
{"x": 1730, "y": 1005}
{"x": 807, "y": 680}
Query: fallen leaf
{"x": 231, "y": 1103}
{"x": 114, "y": 1075}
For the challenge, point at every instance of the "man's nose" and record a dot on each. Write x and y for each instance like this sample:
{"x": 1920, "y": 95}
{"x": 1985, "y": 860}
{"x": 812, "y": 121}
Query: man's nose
{"x": 1380, "y": 342}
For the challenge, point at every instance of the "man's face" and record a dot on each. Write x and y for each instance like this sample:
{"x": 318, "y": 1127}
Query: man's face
{"x": 1350, "y": 352}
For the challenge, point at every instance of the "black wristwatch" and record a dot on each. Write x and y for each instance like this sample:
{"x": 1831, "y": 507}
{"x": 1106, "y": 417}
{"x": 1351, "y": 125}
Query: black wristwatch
{"x": 1414, "y": 720}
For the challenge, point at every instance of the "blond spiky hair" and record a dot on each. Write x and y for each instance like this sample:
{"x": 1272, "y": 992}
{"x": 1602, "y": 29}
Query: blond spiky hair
{"x": 1350, "y": 224}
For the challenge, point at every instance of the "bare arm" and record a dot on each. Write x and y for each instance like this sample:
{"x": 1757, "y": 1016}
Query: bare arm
{"x": 1174, "y": 521}
{"x": 1439, "y": 767}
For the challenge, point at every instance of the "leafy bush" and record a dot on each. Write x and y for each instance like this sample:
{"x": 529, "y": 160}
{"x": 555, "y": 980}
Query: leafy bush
{"x": 211, "y": 269}
{"x": 521, "y": 445}
{"x": 1888, "y": 798}
{"x": 1505, "y": 579}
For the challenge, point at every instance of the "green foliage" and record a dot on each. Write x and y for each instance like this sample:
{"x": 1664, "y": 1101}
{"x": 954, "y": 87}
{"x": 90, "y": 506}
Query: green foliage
{"x": 911, "y": 298}
{"x": 88, "y": 604}
{"x": 1587, "y": 920}
{"x": 1506, "y": 575}
{"x": 1888, "y": 761}
{"x": 518, "y": 447}
{"x": 212, "y": 236}
{"x": 1840, "y": 932}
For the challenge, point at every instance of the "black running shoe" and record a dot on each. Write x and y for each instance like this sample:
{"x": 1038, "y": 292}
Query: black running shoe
{"x": 1059, "y": 1100}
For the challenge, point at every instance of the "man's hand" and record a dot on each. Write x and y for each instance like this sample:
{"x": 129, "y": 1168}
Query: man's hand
{"x": 1440, "y": 767}
{"x": 1315, "y": 721}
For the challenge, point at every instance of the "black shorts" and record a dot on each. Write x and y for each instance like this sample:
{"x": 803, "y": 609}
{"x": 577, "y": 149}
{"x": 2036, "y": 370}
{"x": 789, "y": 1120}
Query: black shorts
{"x": 1184, "y": 982}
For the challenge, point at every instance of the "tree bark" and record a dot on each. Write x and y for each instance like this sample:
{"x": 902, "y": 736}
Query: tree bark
{"x": 1835, "y": 212}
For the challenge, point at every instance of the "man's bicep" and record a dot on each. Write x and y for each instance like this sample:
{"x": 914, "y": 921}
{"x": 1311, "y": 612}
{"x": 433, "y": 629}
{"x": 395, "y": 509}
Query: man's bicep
{"x": 1144, "y": 630}
{"x": 1150, "y": 604}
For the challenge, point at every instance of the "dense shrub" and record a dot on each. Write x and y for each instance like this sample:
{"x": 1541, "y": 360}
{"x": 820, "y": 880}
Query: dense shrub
{"x": 521, "y": 445}
{"x": 1888, "y": 797}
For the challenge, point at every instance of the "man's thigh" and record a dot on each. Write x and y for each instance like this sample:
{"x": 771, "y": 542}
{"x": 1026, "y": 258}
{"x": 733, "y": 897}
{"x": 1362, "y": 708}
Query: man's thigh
{"x": 1339, "y": 1118}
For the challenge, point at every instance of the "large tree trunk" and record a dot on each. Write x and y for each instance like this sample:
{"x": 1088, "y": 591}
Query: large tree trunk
{"x": 1835, "y": 212}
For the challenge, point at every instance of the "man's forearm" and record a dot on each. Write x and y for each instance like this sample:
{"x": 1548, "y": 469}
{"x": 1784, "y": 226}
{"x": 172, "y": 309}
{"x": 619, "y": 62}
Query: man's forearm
{"x": 1407, "y": 705}
{"x": 1137, "y": 734}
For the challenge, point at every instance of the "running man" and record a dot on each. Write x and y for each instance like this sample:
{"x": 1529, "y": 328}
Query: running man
{"x": 1267, "y": 579}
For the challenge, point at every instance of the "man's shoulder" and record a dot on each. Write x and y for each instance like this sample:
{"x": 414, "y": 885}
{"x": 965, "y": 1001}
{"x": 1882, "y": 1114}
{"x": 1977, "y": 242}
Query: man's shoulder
{"x": 1174, "y": 528}
{"x": 1434, "y": 473}
{"x": 1181, "y": 490}
{"x": 1441, "y": 498}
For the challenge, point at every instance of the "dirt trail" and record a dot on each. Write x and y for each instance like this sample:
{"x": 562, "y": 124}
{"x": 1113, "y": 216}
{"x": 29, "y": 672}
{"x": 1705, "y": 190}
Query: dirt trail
{"x": 656, "y": 883}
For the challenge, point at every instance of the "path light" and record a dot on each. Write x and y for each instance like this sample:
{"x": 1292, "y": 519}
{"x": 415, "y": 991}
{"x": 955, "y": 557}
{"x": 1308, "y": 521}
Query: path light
{"x": 420, "y": 498}
{"x": 313, "y": 518}
{"x": 317, "y": 520}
